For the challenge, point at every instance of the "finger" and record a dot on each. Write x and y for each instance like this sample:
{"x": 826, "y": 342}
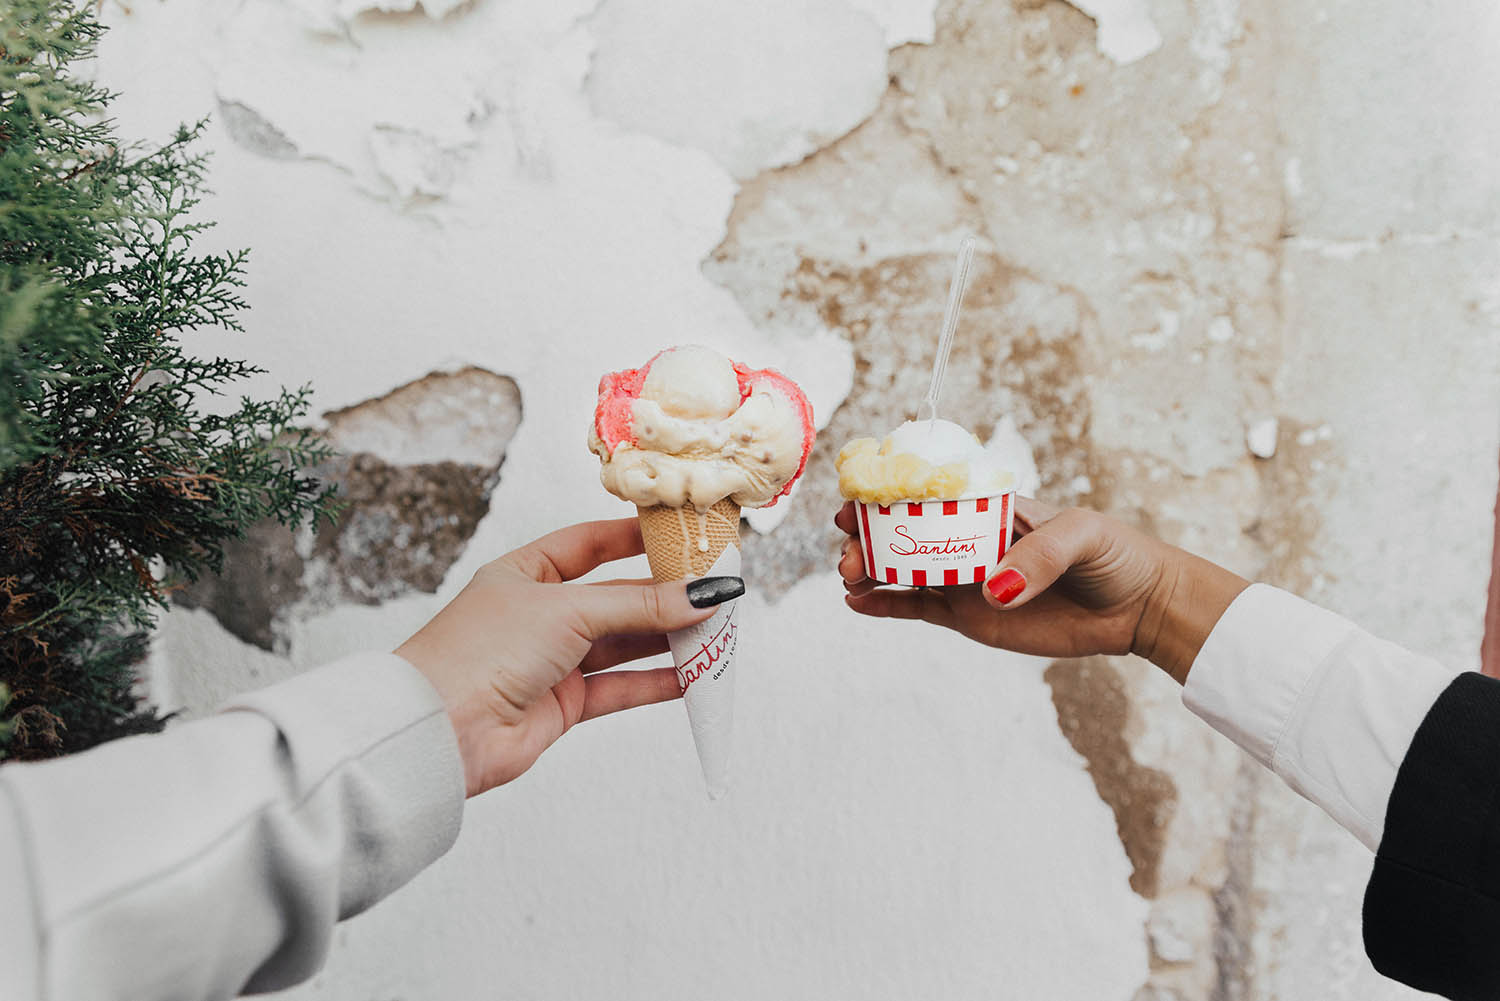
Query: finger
{"x": 612, "y": 650}
{"x": 622, "y": 580}
{"x": 846, "y": 520}
{"x": 1041, "y": 556}
{"x": 1050, "y": 624}
{"x": 927, "y": 604}
{"x": 617, "y": 690}
{"x": 574, "y": 551}
{"x": 570, "y": 693}
{"x": 852, "y": 562}
{"x": 1031, "y": 513}
{"x": 862, "y": 586}
{"x": 647, "y": 608}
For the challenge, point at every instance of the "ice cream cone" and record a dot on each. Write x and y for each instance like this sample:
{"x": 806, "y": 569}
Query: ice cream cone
{"x": 683, "y": 543}
{"x": 691, "y": 422}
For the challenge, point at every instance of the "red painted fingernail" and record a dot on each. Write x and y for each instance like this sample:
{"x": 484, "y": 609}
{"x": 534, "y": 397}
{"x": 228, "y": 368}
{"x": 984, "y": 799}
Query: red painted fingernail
{"x": 1006, "y": 586}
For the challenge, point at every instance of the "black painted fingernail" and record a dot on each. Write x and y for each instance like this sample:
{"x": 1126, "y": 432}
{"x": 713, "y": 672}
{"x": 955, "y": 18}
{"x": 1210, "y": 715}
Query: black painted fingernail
{"x": 707, "y": 591}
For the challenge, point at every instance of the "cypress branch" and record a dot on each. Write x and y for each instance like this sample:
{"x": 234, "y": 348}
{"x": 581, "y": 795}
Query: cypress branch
{"x": 115, "y": 484}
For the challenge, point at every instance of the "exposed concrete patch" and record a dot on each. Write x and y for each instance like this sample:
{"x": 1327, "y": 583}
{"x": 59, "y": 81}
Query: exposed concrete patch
{"x": 262, "y": 576}
{"x": 404, "y": 521}
{"x": 1018, "y": 360}
{"x": 1093, "y": 707}
{"x": 402, "y": 527}
{"x": 1045, "y": 138}
{"x": 1153, "y": 291}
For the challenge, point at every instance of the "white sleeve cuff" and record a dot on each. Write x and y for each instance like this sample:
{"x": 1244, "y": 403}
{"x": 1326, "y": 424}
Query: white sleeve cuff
{"x": 1322, "y": 703}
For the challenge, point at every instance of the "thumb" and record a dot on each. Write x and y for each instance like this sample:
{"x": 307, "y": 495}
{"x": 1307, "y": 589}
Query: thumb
{"x": 1041, "y": 556}
{"x": 650, "y": 608}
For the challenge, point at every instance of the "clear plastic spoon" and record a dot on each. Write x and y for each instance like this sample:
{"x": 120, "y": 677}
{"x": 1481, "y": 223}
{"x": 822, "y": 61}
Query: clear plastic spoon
{"x": 950, "y": 324}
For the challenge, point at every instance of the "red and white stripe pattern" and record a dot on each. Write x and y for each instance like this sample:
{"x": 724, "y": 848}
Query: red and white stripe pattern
{"x": 935, "y": 543}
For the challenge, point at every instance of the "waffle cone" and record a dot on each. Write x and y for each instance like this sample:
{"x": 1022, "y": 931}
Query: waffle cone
{"x": 684, "y": 542}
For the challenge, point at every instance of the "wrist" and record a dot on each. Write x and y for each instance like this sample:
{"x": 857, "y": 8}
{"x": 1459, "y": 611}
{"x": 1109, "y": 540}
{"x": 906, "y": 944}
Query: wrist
{"x": 1186, "y": 601}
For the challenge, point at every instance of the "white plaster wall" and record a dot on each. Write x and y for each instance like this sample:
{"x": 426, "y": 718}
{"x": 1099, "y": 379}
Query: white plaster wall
{"x": 1392, "y": 364}
{"x": 533, "y": 186}
{"x": 509, "y": 185}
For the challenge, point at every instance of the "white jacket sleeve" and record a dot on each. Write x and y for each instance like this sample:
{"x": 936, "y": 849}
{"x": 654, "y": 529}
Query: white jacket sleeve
{"x": 1312, "y": 696}
{"x": 213, "y": 859}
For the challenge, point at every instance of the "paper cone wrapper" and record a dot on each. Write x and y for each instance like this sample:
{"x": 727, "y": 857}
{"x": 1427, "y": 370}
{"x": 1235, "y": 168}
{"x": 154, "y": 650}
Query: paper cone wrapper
{"x": 686, "y": 543}
{"x": 936, "y": 543}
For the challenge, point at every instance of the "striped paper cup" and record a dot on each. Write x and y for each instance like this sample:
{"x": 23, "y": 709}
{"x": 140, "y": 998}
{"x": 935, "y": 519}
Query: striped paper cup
{"x": 936, "y": 543}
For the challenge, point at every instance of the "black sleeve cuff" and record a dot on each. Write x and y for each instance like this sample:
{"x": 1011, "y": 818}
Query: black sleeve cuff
{"x": 1432, "y": 909}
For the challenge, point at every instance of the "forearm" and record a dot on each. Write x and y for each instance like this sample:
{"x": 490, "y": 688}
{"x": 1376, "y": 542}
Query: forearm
{"x": 215, "y": 858}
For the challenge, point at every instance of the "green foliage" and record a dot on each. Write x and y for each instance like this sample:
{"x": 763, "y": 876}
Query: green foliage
{"x": 116, "y": 482}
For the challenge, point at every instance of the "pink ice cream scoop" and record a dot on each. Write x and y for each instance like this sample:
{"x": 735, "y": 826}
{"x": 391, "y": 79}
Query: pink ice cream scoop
{"x": 692, "y": 426}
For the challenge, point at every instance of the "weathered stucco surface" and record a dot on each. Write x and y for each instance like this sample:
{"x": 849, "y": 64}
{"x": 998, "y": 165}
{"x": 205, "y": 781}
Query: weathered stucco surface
{"x": 1239, "y": 283}
{"x": 414, "y": 470}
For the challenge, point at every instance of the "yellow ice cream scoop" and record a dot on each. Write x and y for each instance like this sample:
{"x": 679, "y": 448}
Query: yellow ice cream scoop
{"x": 920, "y": 460}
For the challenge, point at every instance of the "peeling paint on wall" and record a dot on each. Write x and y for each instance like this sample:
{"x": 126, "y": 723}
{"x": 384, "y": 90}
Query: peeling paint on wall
{"x": 414, "y": 473}
{"x": 1093, "y": 709}
{"x": 727, "y": 78}
{"x": 1126, "y": 32}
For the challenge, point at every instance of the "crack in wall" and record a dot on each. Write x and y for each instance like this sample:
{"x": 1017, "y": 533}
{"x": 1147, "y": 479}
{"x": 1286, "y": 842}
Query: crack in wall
{"x": 1234, "y": 899}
